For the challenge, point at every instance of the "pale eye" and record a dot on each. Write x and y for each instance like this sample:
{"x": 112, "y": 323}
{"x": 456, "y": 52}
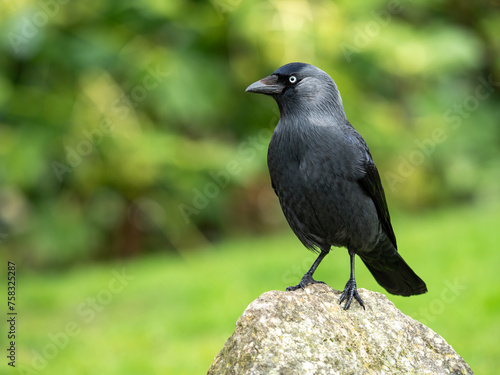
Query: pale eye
{"x": 292, "y": 79}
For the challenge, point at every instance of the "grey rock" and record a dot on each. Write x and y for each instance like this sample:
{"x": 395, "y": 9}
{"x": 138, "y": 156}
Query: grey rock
{"x": 308, "y": 332}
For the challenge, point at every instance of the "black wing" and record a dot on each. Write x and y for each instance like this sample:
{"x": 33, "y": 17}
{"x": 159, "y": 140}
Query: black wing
{"x": 373, "y": 186}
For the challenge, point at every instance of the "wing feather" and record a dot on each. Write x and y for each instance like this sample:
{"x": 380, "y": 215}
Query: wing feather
{"x": 372, "y": 184}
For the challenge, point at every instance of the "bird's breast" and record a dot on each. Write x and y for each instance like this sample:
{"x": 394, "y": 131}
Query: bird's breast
{"x": 310, "y": 157}
{"x": 317, "y": 185}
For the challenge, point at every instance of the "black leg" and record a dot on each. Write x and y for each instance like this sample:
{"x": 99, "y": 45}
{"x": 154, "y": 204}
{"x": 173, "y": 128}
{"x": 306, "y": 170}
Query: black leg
{"x": 307, "y": 279}
{"x": 350, "y": 288}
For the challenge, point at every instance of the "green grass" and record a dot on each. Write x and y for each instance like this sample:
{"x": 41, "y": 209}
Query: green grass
{"x": 176, "y": 313}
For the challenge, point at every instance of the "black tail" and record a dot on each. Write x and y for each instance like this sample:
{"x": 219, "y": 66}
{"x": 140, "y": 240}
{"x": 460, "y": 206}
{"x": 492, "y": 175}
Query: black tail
{"x": 391, "y": 271}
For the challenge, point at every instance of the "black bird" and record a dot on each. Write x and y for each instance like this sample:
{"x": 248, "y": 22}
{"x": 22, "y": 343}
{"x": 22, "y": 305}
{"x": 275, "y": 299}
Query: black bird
{"x": 327, "y": 183}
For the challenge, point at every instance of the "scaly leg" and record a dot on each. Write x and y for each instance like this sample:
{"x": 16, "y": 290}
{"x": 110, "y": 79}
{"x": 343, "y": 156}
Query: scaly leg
{"x": 350, "y": 288}
{"x": 307, "y": 279}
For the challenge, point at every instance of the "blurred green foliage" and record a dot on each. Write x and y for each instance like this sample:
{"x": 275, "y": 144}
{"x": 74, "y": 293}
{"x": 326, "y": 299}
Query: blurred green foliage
{"x": 124, "y": 128}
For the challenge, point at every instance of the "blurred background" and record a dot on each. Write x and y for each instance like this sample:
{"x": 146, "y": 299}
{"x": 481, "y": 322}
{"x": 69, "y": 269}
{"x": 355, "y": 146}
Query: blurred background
{"x": 134, "y": 193}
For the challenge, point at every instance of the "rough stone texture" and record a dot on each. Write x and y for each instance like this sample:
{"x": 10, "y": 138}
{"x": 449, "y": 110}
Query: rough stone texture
{"x": 307, "y": 332}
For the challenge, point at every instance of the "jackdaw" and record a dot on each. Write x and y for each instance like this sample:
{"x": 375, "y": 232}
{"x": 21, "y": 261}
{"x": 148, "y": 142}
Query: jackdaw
{"x": 327, "y": 183}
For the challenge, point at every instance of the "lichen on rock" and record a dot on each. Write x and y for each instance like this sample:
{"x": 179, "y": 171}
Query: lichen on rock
{"x": 308, "y": 332}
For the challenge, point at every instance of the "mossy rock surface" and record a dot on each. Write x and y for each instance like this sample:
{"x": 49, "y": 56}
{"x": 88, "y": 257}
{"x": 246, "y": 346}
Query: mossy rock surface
{"x": 308, "y": 332}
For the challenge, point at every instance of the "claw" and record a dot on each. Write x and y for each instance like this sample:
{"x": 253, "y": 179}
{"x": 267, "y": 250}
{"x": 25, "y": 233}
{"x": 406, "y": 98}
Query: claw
{"x": 349, "y": 292}
{"x": 306, "y": 280}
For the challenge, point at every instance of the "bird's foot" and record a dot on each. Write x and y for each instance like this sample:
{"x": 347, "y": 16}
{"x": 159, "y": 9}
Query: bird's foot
{"x": 349, "y": 292}
{"x": 306, "y": 280}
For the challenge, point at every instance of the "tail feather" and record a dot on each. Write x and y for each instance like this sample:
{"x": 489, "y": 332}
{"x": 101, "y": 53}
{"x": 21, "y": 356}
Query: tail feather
{"x": 391, "y": 271}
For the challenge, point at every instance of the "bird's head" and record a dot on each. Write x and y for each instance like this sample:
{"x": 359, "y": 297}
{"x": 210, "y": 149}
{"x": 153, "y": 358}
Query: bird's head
{"x": 298, "y": 87}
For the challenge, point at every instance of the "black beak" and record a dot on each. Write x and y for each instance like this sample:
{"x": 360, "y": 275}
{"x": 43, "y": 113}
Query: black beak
{"x": 267, "y": 86}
